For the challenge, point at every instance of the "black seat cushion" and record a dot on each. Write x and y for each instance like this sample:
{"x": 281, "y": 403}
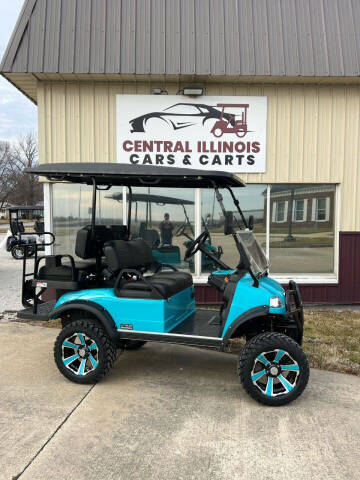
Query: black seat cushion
{"x": 165, "y": 287}
{"x": 88, "y": 247}
{"x": 134, "y": 254}
{"x": 183, "y": 277}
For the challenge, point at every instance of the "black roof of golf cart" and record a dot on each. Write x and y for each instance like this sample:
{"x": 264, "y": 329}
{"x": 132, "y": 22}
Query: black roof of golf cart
{"x": 25, "y": 208}
{"x": 149, "y": 197}
{"x": 135, "y": 175}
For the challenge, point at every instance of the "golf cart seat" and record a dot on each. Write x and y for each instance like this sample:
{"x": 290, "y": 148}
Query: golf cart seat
{"x": 133, "y": 258}
{"x": 151, "y": 237}
{"x": 86, "y": 248}
{"x": 119, "y": 232}
{"x": 16, "y": 227}
{"x": 39, "y": 226}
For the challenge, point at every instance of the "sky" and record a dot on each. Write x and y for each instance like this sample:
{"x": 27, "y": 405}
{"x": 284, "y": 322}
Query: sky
{"x": 18, "y": 115}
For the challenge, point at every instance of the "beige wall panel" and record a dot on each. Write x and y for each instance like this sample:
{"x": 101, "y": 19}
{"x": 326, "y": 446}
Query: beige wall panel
{"x": 351, "y": 179}
{"x": 312, "y": 131}
{"x": 72, "y": 122}
{"x": 58, "y": 141}
{"x": 102, "y": 137}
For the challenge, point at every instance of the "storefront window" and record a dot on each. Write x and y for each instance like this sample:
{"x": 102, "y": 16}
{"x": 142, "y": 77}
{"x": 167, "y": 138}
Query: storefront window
{"x": 72, "y": 211}
{"x": 252, "y": 202}
{"x": 164, "y": 218}
{"x": 304, "y": 242}
{"x": 300, "y": 239}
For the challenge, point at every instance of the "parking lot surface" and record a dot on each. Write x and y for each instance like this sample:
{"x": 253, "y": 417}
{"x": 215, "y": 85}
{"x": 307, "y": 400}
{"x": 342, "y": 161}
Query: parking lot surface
{"x": 166, "y": 412}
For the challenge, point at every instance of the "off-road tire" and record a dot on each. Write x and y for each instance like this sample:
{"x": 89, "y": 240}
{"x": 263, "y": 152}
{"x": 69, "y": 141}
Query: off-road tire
{"x": 267, "y": 342}
{"x": 134, "y": 344}
{"x": 107, "y": 350}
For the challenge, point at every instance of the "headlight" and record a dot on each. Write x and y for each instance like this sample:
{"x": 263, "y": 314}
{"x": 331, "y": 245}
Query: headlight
{"x": 275, "y": 302}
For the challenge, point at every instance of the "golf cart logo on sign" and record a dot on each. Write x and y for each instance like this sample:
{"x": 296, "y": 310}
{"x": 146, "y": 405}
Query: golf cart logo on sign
{"x": 225, "y": 133}
{"x": 184, "y": 115}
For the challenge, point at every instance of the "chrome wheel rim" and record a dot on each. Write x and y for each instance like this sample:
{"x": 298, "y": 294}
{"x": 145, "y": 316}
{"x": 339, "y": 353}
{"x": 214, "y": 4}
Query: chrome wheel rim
{"x": 275, "y": 373}
{"x": 80, "y": 354}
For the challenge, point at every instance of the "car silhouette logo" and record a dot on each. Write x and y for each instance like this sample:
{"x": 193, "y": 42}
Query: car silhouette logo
{"x": 183, "y": 115}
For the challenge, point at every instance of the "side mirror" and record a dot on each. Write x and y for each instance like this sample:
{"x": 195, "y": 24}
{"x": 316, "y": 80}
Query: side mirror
{"x": 228, "y": 226}
{"x": 251, "y": 222}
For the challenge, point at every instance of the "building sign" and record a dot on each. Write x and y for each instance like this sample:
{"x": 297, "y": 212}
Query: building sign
{"x": 209, "y": 133}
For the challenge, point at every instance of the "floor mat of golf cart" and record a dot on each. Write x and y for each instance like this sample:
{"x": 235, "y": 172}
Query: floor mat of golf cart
{"x": 202, "y": 323}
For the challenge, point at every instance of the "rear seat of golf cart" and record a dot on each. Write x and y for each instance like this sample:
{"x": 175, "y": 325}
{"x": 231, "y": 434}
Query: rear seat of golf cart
{"x": 111, "y": 245}
{"x": 74, "y": 274}
{"x": 134, "y": 258}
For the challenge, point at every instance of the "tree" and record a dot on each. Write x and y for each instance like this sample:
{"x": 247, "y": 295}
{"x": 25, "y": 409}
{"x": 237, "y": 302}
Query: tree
{"x": 26, "y": 188}
{"x": 7, "y": 177}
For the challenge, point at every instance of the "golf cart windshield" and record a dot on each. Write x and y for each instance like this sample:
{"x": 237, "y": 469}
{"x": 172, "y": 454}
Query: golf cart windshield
{"x": 256, "y": 255}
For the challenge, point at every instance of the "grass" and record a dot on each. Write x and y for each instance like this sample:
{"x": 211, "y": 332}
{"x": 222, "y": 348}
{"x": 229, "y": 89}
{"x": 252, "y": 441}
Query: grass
{"x": 331, "y": 340}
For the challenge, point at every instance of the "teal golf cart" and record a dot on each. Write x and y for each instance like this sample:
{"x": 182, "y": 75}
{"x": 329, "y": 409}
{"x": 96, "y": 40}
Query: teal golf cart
{"x": 116, "y": 295}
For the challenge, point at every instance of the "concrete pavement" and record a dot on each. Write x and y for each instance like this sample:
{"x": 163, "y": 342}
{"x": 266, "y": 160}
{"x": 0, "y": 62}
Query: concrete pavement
{"x": 166, "y": 413}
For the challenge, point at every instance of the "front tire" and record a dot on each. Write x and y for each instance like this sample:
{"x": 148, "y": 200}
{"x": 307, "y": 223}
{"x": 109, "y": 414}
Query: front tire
{"x": 273, "y": 369}
{"x": 83, "y": 352}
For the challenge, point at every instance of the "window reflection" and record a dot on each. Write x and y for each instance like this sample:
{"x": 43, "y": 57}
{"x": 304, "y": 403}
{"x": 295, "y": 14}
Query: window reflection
{"x": 302, "y": 228}
{"x": 164, "y": 218}
{"x": 252, "y": 202}
{"x": 72, "y": 211}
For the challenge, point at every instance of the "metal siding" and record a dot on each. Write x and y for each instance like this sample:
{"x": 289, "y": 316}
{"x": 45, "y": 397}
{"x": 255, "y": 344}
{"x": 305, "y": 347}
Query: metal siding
{"x": 290, "y": 37}
{"x": 15, "y": 41}
{"x": 67, "y": 36}
{"x": 217, "y": 43}
{"x": 37, "y": 36}
{"x": 113, "y": 36}
{"x": 246, "y": 38}
{"x": 233, "y": 37}
{"x": 127, "y": 45}
{"x": 336, "y": 61}
{"x": 172, "y": 38}
{"x": 276, "y": 43}
{"x": 52, "y": 37}
{"x": 318, "y": 33}
{"x": 82, "y": 37}
{"x": 306, "y": 57}
{"x": 347, "y": 35}
{"x": 261, "y": 38}
{"x": 21, "y": 60}
{"x": 143, "y": 26}
{"x": 202, "y": 15}
{"x": 187, "y": 37}
{"x": 98, "y": 36}
{"x": 157, "y": 40}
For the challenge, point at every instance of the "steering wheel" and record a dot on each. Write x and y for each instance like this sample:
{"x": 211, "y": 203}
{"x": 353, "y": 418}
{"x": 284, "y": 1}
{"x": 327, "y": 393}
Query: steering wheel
{"x": 180, "y": 231}
{"x": 195, "y": 245}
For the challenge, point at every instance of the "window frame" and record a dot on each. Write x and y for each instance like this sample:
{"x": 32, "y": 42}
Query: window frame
{"x": 201, "y": 278}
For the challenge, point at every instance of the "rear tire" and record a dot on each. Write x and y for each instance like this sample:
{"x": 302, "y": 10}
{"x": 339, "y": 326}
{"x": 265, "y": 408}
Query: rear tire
{"x": 17, "y": 252}
{"x": 273, "y": 369}
{"x": 134, "y": 344}
{"x": 83, "y": 352}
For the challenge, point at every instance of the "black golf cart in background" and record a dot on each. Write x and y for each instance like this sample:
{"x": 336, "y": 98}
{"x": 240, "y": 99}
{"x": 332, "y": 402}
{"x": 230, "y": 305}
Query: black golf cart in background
{"x": 19, "y": 237}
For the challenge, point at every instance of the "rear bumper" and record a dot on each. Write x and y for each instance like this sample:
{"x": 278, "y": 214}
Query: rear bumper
{"x": 294, "y": 307}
